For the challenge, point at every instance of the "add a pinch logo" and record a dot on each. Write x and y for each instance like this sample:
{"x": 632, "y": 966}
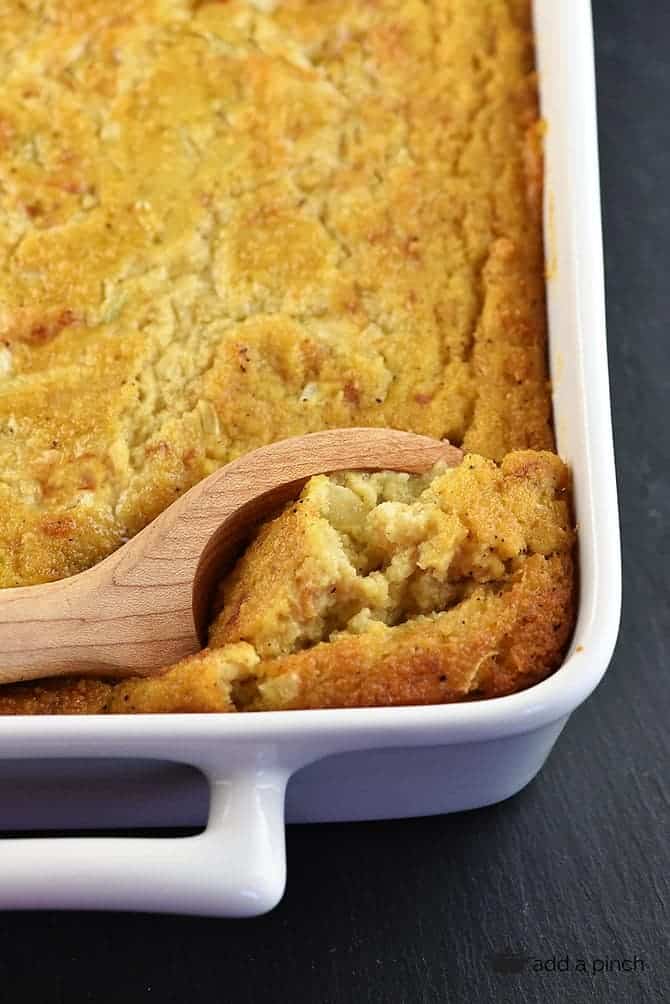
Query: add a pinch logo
{"x": 520, "y": 961}
{"x": 510, "y": 961}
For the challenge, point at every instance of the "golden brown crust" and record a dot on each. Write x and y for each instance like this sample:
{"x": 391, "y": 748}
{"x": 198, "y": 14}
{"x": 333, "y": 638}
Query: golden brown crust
{"x": 198, "y": 684}
{"x": 153, "y": 161}
{"x": 55, "y": 697}
{"x": 261, "y": 592}
{"x": 489, "y": 645}
{"x": 226, "y": 223}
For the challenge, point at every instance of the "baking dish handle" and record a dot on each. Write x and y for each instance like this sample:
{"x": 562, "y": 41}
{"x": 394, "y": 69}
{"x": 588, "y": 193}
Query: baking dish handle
{"x": 235, "y": 868}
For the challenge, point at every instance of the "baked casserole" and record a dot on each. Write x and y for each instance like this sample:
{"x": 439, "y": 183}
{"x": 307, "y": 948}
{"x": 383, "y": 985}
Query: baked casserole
{"x": 226, "y": 223}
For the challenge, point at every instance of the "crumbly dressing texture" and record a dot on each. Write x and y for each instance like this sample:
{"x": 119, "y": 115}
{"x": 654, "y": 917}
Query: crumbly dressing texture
{"x": 383, "y": 589}
{"x": 224, "y": 223}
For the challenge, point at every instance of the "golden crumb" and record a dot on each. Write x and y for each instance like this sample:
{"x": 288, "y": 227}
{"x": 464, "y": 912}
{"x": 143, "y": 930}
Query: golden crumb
{"x": 55, "y": 697}
{"x": 378, "y": 589}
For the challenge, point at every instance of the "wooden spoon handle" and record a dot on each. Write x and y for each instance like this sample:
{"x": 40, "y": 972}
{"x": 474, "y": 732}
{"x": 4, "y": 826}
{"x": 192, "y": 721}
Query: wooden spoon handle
{"x": 146, "y": 605}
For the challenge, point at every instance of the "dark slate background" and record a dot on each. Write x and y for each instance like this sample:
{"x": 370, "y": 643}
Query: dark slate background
{"x": 578, "y": 863}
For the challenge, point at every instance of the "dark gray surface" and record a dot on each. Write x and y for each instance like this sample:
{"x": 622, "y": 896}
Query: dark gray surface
{"x": 578, "y": 863}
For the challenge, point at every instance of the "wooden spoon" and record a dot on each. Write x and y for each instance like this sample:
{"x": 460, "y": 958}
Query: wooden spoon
{"x": 147, "y": 605}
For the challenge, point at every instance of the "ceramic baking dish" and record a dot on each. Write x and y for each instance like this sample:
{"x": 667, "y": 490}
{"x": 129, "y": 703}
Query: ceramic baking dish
{"x": 378, "y": 762}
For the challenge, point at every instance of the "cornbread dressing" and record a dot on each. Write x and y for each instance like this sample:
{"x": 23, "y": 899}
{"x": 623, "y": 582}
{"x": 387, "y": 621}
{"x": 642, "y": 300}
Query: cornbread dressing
{"x": 225, "y": 223}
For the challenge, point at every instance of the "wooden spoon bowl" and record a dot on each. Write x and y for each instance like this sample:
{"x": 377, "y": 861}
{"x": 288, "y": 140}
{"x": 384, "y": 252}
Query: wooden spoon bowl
{"x": 147, "y": 604}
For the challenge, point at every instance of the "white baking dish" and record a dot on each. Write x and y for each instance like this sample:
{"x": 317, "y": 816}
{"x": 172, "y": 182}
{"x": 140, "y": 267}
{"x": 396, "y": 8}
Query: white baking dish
{"x": 389, "y": 761}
